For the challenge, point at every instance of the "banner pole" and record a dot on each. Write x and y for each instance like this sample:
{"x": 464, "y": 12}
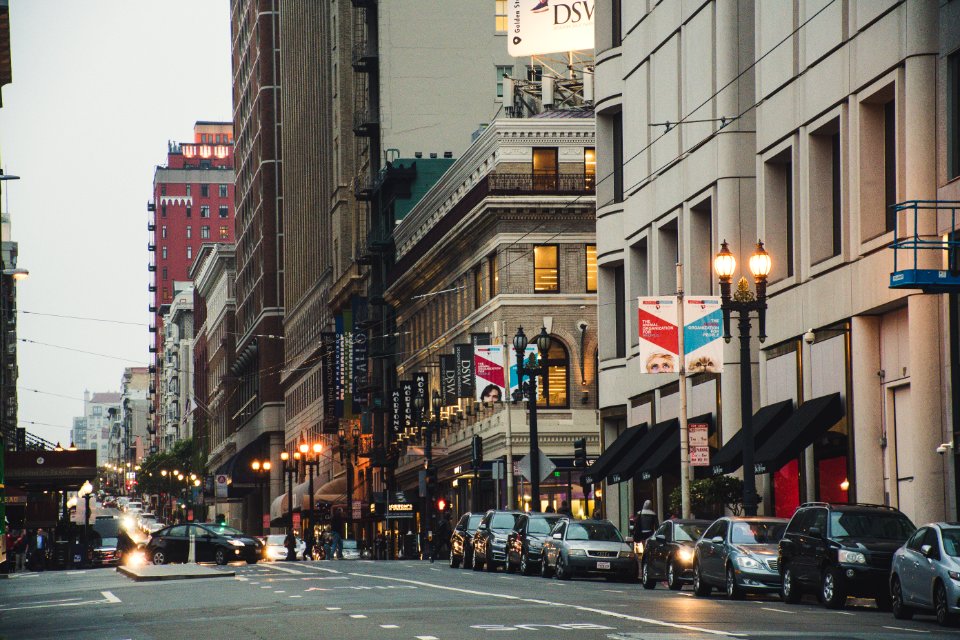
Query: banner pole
{"x": 682, "y": 369}
{"x": 511, "y": 502}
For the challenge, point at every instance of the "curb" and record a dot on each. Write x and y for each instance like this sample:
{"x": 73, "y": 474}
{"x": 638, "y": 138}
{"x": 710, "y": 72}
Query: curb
{"x": 136, "y": 577}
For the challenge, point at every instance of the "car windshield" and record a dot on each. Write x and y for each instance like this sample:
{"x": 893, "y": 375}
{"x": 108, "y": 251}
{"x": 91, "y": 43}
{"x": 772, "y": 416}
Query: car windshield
{"x": 503, "y": 520}
{"x": 276, "y": 539}
{"x": 757, "y": 532}
{"x": 951, "y": 541}
{"x": 108, "y": 542}
{"x": 349, "y": 544}
{"x": 223, "y": 530}
{"x": 474, "y": 522}
{"x": 869, "y": 524}
{"x": 593, "y": 531}
{"x": 542, "y": 525}
{"x": 688, "y": 532}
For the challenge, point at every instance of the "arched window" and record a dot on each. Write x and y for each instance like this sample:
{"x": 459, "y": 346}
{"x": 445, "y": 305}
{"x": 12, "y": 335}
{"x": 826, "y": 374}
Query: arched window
{"x": 554, "y": 388}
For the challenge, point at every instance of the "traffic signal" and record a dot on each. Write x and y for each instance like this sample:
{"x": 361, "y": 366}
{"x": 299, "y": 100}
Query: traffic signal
{"x": 580, "y": 452}
{"x": 477, "y": 451}
{"x": 441, "y": 505}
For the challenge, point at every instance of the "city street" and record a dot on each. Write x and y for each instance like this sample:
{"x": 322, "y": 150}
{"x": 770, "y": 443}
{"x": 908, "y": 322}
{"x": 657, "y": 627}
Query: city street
{"x": 402, "y": 599}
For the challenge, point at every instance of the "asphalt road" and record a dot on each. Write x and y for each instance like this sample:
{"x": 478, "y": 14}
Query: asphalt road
{"x": 407, "y": 600}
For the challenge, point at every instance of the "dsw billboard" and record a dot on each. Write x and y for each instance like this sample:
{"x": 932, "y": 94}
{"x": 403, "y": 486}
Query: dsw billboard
{"x": 548, "y": 26}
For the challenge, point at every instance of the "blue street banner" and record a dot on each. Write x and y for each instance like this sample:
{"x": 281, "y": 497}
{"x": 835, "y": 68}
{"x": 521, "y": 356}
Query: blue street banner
{"x": 703, "y": 334}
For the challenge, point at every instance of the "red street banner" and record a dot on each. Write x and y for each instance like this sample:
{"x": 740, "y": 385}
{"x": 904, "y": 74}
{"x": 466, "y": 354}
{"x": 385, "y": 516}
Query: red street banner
{"x": 296, "y": 521}
{"x": 266, "y": 521}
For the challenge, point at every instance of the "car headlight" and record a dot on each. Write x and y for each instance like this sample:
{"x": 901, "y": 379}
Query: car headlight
{"x": 852, "y": 557}
{"x": 577, "y": 552}
{"x": 236, "y": 543}
{"x": 746, "y": 562}
{"x": 685, "y": 555}
{"x": 639, "y": 546}
{"x": 626, "y": 554}
{"x": 954, "y": 575}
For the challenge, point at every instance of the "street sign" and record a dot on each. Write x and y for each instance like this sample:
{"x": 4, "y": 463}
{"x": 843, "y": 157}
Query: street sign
{"x": 222, "y": 482}
{"x": 546, "y": 467}
{"x": 266, "y": 521}
{"x": 357, "y": 509}
{"x": 698, "y": 439}
{"x": 496, "y": 471}
{"x": 296, "y": 521}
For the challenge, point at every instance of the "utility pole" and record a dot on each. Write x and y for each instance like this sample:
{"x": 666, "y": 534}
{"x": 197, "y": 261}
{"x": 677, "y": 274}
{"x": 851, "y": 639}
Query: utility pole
{"x": 684, "y": 441}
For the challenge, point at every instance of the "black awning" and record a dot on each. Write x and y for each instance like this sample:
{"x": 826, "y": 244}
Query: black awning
{"x": 666, "y": 457}
{"x": 612, "y": 454}
{"x": 811, "y": 420}
{"x": 766, "y": 421}
{"x": 631, "y": 462}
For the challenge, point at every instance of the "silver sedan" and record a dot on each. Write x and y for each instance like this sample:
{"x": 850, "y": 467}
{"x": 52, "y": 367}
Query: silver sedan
{"x": 578, "y": 547}
{"x": 925, "y": 575}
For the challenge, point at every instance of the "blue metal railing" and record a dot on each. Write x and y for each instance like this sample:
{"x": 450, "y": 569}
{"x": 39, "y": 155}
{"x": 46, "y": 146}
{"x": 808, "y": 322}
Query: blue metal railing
{"x": 910, "y": 275}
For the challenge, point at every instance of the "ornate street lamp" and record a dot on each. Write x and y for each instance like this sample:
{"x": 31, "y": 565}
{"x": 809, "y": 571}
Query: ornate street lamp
{"x": 305, "y": 450}
{"x": 532, "y": 371}
{"x": 262, "y": 471}
{"x": 744, "y": 302}
{"x": 349, "y": 451}
{"x": 289, "y": 469}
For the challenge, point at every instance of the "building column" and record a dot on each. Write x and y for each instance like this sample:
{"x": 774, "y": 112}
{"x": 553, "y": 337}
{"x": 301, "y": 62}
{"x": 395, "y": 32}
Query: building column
{"x": 866, "y": 416}
{"x": 276, "y": 469}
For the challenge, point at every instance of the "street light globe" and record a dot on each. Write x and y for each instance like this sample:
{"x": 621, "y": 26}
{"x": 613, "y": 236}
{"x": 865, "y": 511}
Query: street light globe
{"x": 760, "y": 263}
{"x": 543, "y": 342}
{"x": 266, "y": 465}
{"x": 255, "y": 465}
{"x": 193, "y": 476}
{"x": 284, "y": 456}
{"x": 725, "y": 263}
{"x": 356, "y": 433}
{"x": 304, "y": 448}
{"x": 180, "y": 476}
{"x": 317, "y": 447}
{"x": 176, "y": 472}
{"x": 196, "y": 483}
{"x": 163, "y": 472}
{"x": 520, "y": 341}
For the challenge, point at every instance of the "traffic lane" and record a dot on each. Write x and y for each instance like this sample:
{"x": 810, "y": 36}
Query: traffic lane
{"x": 762, "y": 614}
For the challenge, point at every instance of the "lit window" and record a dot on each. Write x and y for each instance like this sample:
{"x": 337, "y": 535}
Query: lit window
{"x": 224, "y": 234}
{"x": 502, "y": 72}
{"x": 553, "y": 388}
{"x": 546, "y": 271}
{"x": 500, "y": 7}
{"x": 477, "y": 286}
{"x": 591, "y": 268}
{"x": 545, "y": 169}
{"x": 589, "y": 168}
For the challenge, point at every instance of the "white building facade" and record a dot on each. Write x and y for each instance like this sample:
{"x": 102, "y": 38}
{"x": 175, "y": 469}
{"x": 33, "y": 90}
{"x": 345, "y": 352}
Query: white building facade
{"x": 176, "y": 369}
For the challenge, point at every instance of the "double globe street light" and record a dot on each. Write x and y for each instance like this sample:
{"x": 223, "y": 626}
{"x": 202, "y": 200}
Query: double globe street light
{"x": 743, "y": 302}
{"x": 532, "y": 370}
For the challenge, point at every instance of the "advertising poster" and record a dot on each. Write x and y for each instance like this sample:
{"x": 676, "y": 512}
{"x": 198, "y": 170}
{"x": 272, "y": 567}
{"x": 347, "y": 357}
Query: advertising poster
{"x": 659, "y": 339}
{"x": 488, "y": 369}
{"x": 537, "y": 27}
{"x": 464, "y": 357}
{"x": 514, "y": 378}
{"x": 703, "y": 334}
{"x": 448, "y": 380}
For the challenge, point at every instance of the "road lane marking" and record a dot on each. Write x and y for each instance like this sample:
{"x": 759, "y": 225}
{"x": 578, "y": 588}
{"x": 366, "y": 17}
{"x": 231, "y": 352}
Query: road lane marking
{"x": 905, "y": 629}
{"x": 296, "y": 596}
{"x": 267, "y": 587}
{"x": 53, "y": 601}
{"x": 613, "y": 590}
{"x": 603, "y": 612}
{"x": 357, "y": 615}
{"x": 688, "y": 595}
{"x": 389, "y": 626}
{"x": 110, "y": 597}
{"x": 333, "y": 608}
{"x": 778, "y": 610}
{"x": 426, "y": 637}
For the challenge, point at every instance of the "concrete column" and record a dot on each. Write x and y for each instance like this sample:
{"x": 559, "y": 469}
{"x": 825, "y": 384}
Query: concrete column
{"x": 806, "y": 374}
{"x": 276, "y": 470}
{"x": 867, "y": 409}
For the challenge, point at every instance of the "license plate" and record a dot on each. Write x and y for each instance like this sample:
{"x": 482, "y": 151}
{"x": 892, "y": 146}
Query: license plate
{"x": 603, "y": 565}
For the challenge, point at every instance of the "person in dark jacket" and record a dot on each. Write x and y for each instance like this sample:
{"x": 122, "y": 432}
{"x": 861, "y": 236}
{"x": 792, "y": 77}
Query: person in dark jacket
{"x": 646, "y": 522}
{"x": 290, "y": 542}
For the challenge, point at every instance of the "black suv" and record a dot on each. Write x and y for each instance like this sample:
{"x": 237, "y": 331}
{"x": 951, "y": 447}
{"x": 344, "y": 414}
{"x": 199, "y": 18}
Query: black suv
{"x": 490, "y": 540}
{"x": 840, "y": 550}
{"x": 461, "y": 540}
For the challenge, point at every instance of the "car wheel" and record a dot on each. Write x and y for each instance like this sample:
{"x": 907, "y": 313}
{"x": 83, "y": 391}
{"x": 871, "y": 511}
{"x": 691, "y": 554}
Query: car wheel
{"x": 646, "y": 577}
{"x": 525, "y": 565}
{"x": 900, "y": 610}
{"x": 942, "y": 606}
{"x": 477, "y": 562}
{"x": 563, "y": 571}
{"x": 734, "y": 592}
{"x": 490, "y": 566}
{"x": 544, "y": 567}
{"x": 159, "y": 557}
{"x": 700, "y": 588}
{"x": 789, "y": 587}
{"x": 831, "y": 589}
{"x": 220, "y": 556}
{"x": 674, "y": 583}
{"x": 251, "y": 560}
{"x": 454, "y": 562}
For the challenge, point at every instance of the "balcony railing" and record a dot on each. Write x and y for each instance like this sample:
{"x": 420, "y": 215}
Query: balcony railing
{"x": 365, "y": 122}
{"x": 528, "y": 183}
{"x": 364, "y": 56}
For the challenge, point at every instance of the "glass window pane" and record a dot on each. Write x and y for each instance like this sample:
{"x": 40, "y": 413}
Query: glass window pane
{"x": 589, "y": 168}
{"x": 546, "y": 273}
{"x": 591, "y": 267}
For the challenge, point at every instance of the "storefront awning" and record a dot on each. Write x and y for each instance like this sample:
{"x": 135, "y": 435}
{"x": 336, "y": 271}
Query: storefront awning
{"x": 333, "y": 491}
{"x": 631, "y": 462}
{"x": 666, "y": 457}
{"x": 612, "y": 454}
{"x": 44, "y": 470}
{"x": 811, "y": 420}
{"x": 766, "y": 421}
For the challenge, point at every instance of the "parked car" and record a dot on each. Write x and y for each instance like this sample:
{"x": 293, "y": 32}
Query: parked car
{"x": 351, "y": 550}
{"x": 144, "y": 519}
{"x": 461, "y": 540}
{"x": 214, "y": 543}
{"x": 133, "y": 506}
{"x": 105, "y": 552}
{"x": 925, "y": 576}
{"x": 490, "y": 539}
{"x": 840, "y": 550}
{"x": 274, "y": 549}
{"x": 525, "y": 542}
{"x": 668, "y": 554}
{"x": 578, "y": 547}
{"x": 738, "y": 555}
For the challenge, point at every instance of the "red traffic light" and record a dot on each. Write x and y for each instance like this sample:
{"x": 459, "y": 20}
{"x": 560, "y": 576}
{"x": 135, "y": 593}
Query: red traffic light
{"x": 441, "y": 504}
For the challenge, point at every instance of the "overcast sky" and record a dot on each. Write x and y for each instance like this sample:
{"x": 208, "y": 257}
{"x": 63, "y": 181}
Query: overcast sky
{"x": 98, "y": 88}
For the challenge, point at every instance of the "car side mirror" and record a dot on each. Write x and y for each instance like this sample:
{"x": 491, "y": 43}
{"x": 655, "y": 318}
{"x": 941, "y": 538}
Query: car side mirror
{"x": 717, "y": 540}
{"x": 660, "y": 537}
{"x": 927, "y": 550}
{"x": 816, "y": 532}
{"x": 558, "y": 536}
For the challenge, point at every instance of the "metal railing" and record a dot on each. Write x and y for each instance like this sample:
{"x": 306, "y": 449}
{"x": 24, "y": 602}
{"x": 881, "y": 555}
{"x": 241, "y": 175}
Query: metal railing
{"x": 527, "y": 183}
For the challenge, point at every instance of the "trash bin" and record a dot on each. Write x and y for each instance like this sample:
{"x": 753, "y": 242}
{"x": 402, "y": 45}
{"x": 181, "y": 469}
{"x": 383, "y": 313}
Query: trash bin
{"x": 61, "y": 551}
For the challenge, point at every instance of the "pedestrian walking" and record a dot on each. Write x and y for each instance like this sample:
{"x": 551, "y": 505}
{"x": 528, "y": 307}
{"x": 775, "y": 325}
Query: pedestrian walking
{"x": 309, "y": 541}
{"x": 328, "y": 545}
{"x": 565, "y": 509}
{"x": 20, "y": 551}
{"x": 646, "y": 522}
{"x": 39, "y": 544}
{"x": 336, "y": 526}
{"x": 290, "y": 542}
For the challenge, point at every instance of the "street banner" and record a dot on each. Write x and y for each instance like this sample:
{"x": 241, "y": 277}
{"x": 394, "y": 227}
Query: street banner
{"x": 699, "y": 444}
{"x": 222, "y": 484}
{"x": 536, "y": 27}
{"x": 703, "y": 334}
{"x": 266, "y": 521}
{"x": 396, "y": 412}
{"x": 421, "y": 389}
{"x": 357, "y": 510}
{"x": 359, "y": 349}
{"x": 464, "y": 356}
{"x": 338, "y": 365}
{"x": 406, "y": 401}
{"x": 328, "y": 342}
{"x": 448, "y": 380}
{"x": 296, "y": 521}
{"x": 659, "y": 339}
{"x": 490, "y": 380}
{"x": 531, "y": 352}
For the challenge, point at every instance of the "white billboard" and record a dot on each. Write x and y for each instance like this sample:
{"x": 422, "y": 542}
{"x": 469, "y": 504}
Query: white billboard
{"x": 538, "y": 27}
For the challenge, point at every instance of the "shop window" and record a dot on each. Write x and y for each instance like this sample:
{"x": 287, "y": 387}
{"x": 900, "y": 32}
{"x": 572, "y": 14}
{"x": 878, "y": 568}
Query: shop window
{"x": 553, "y": 387}
{"x": 546, "y": 269}
{"x": 591, "y": 262}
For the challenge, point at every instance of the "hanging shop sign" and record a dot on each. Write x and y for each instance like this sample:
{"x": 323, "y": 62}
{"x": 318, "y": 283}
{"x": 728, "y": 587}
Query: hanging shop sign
{"x": 536, "y": 27}
{"x": 448, "y": 380}
{"x": 463, "y": 353}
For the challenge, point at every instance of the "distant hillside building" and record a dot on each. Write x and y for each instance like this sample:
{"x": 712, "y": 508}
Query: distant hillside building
{"x": 96, "y": 416}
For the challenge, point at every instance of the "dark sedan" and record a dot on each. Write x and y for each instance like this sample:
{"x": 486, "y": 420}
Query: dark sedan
{"x": 490, "y": 540}
{"x": 214, "y": 543}
{"x": 668, "y": 555}
{"x": 739, "y": 556}
{"x": 461, "y": 540}
{"x": 525, "y": 542}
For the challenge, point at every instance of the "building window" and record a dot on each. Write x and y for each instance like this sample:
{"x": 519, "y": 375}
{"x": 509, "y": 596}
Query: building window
{"x": 189, "y": 253}
{"x": 616, "y": 23}
{"x": 620, "y": 309}
{"x": 188, "y": 191}
{"x": 617, "y": 157}
{"x": 205, "y": 232}
{"x": 163, "y": 189}
{"x": 494, "y": 274}
{"x": 204, "y": 190}
{"x": 591, "y": 268}
{"x": 500, "y": 8}
{"x": 953, "y": 115}
{"x": 890, "y": 163}
{"x": 204, "y": 211}
{"x": 189, "y": 212}
{"x": 589, "y": 169}
{"x": 545, "y": 168}
{"x": 477, "y": 286}
{"x": 224, "y": 234}
{"x": 163, "y": 252}
{"x": 546, "y": 269}
{"x": 502, "y": 72}
{"x": 163, "y": 211}
{"x": 534, "y": 73}
{"x": 166, "y": 294}
{"x": 164, "y": 273}
{"x": 825, "y": 192}
{"x": 223, "y": 211}
{"x": 163, "y": 231}
{"x": 553, "y": 388}
{"x": 223, "y": 191}
{"x": 189, "y": 231}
